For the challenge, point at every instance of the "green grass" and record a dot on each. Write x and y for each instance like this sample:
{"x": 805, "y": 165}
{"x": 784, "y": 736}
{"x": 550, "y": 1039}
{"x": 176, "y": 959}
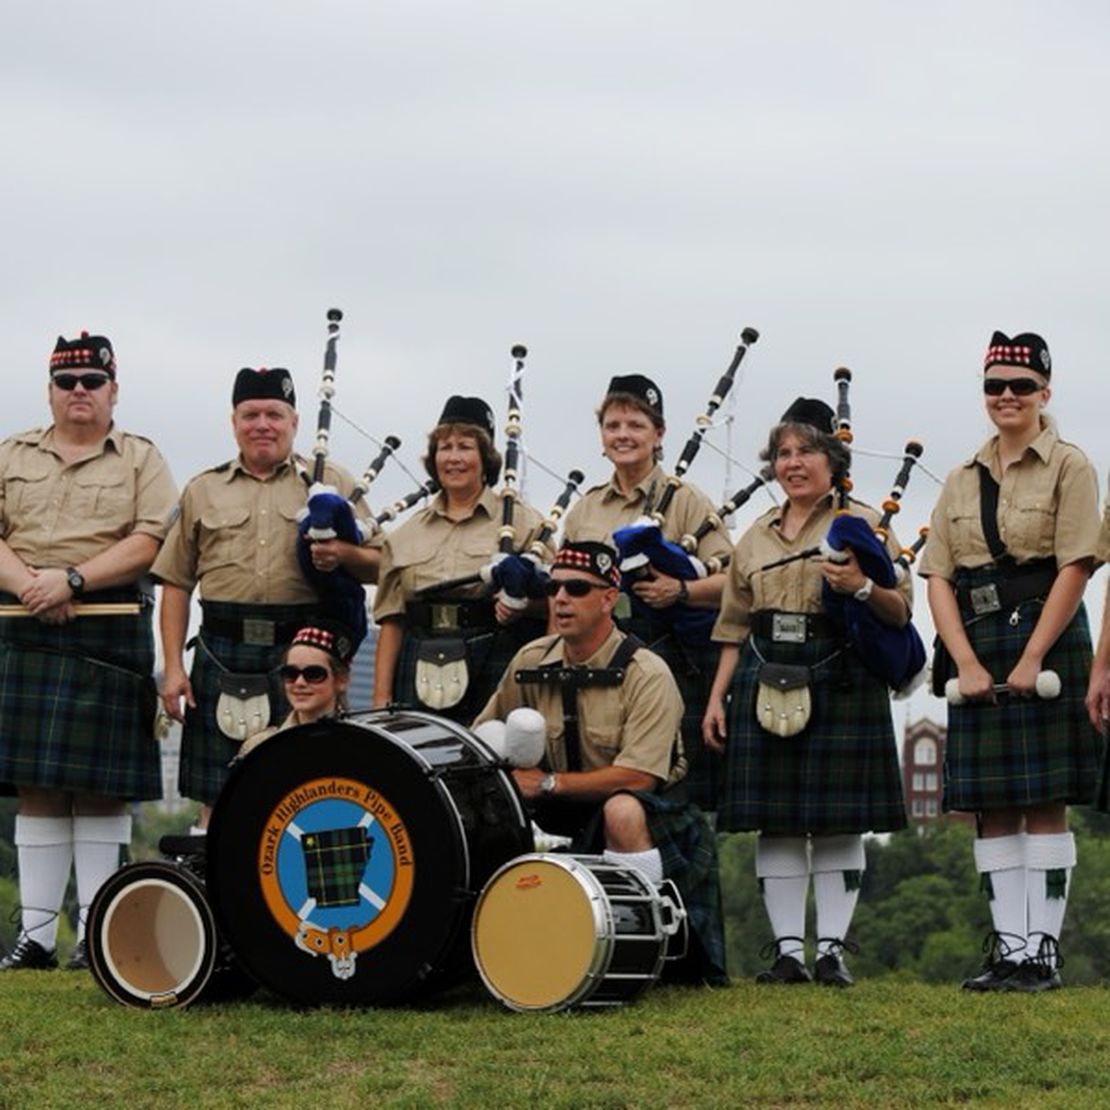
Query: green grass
{"x": 884, "y": 1043}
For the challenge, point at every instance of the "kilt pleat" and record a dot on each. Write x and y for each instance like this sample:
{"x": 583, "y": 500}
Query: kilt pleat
{"x": 76, "y": 707}
{"x": 488, "y": 654}
{"x": 694, "y": 667}
{"x": 838, "y": 775}
{"x": 1023, "y": 751}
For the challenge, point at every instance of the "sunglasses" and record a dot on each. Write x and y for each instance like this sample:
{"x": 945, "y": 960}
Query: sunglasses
{"x": 313, "y": 674}
{"x": 576, "y": 587}
{"x": 1019, "y": 387}
{"x": 90, "y": 382}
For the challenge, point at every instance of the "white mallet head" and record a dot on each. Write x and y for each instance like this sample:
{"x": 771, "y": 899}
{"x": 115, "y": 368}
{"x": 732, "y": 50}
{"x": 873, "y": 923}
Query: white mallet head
{"x": 493, "y": 735}
{"x": 525, "y": 737}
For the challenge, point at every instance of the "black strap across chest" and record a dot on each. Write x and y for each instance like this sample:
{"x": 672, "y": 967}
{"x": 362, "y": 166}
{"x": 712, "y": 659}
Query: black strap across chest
{"x": 988, "y": 516}
{"x": 570, "y": 680}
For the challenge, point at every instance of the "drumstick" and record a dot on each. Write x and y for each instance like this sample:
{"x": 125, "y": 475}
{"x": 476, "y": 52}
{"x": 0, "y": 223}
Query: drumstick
{"x": 83, "y": 609}
{"x": 1047, "y": 687}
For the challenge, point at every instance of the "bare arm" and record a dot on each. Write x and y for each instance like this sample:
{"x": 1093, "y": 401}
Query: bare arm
{"x": 714, "y": 729}
{"x": 975, "y": 680}
{"x": 1059, "y": 608}
{"x": 585, "y": 786}
{"x": 174, "y": 625}
{"x": 662, "y": 590}
{"x": 390, "y": 635}
{"x": 1098, "y": 689}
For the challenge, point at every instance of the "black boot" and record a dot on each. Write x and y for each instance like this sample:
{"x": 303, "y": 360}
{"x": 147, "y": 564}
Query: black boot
{"x": 785, "y": 969}
{"x": 999, "y": 965}
{"x": 29, "y": 955}
{"x": 1039, "y": 972}
{"x": 830, "y": 970}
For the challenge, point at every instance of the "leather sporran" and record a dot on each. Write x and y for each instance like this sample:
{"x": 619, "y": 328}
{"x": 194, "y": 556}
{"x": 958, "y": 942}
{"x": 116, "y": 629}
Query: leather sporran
{"x": 783, "y": 703}
{"x": 243, "y": 707}
{"x": 442, "y": 677}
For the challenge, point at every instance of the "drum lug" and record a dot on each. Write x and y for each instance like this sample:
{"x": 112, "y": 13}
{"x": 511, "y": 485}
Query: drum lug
{"x": 672, "y": 919}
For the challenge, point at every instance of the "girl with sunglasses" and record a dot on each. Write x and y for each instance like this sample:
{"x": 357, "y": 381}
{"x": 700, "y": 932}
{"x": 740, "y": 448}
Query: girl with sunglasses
{"x": 1011, "y": 546}
{"x": 316, "y": 673}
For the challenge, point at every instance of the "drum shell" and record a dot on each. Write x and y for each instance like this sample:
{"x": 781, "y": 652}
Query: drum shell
{"x": 153, "y": 941}
{"x": 459, "y": 817}
{"x": 594, "y": 938}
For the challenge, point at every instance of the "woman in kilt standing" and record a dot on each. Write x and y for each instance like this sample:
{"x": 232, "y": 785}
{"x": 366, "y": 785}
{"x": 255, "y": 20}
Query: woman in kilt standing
{"x": 446, "y": 650}
{"x": 632, "y": 429}
{"x": 84, "y": 507}
{"x": 1010, "y": 550}
{"x": 810, "y": 757}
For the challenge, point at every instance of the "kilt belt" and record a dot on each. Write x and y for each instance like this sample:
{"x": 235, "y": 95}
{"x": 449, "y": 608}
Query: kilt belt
{"x": 993, "y": 589}
{"x": 251, "y": 624}
{"x": 450, "y": 615}
{"x": 782, "y": 627}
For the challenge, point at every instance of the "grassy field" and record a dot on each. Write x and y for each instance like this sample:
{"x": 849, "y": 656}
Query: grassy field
{"x": 884, "y": 1043}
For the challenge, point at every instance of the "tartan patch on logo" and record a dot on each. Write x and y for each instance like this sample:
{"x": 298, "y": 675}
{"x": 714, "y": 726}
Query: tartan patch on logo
{"x": 334, "y": 862}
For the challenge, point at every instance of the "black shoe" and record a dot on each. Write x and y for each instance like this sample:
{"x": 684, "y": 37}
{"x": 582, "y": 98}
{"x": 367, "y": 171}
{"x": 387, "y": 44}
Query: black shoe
{"x": 995, "y": 976}
{"x": 785, "y": 969}
{"x": 1032, "y": 976}
{"x": 830, "y": 971}
{"x": 29, "y": 955}
{"x": 79, "y": 961}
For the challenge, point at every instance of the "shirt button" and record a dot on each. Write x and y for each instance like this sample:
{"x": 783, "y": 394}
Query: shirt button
{"x": 261, "y": 543}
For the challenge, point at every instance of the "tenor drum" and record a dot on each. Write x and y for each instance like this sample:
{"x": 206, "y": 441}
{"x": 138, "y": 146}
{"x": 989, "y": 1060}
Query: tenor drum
{"x": 345, "y": 857}
{"x": 553, "y": 931}
{"x": 153, "y": 942}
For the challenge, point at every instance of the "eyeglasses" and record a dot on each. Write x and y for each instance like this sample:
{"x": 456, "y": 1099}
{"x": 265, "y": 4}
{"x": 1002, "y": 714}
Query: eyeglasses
{"x": 313, "y": 674}
{"x": 90, "y": 382}
{"x": 576, "y": 587}
{"x": 1019, "y": 387}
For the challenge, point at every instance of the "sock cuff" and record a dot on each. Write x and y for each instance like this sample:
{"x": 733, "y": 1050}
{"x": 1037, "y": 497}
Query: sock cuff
{"x": 649, "y": 863}
{"x": 838, "y": 853}
{"x": 1049, "y": 851}
{"x": 781, "y": 857}
{"x": 999, "y": 853}
{"x": 110, "y": 828}
{"x": 42, "y": 831}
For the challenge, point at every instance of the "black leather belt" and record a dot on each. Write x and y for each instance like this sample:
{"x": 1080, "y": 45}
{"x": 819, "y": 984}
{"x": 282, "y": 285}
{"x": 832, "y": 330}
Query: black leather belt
{"x": 781, "y": 627}
{"x": 251, "y": 630}
{"x": 449, "y": 616}
{"x": 978, "y": 598}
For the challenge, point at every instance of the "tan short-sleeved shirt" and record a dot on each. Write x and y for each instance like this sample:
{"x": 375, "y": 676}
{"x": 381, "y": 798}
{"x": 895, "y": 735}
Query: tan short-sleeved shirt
{"x": 795, "y": 587}
{"x": 54, "y": 514}
{"x": 430, "y": 548}
{"x": 634, "y": 725}
{"x": 1047, "y": 507}
{"x": 236, "y": 535}
{"x": 1102, "y": 550}
{"x": 603, "y": 509}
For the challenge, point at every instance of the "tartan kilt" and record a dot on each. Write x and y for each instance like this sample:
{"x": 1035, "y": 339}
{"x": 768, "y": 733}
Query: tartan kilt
{"x": 688, "y": 847}
{"x": 489, "y": 651}
{"x": 838, "y": 775}
{"x": 205, "y": 750}
{"x": 1023, "y": 751}
{"x": 694, "y": 667}
{"x": 77, "y": 703}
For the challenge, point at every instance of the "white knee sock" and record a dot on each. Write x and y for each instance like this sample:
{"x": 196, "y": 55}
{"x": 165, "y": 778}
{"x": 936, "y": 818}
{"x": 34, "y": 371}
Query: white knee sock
{"x": 1002, "y": 860}
{"x": 782, "y": 867}
{"x": 838, "y": 865}
{"x": 649, "y": 863}
{"x": 96, "y": 845}
{"x": 1050, "y": 858}
{"x": 45, "y": 847}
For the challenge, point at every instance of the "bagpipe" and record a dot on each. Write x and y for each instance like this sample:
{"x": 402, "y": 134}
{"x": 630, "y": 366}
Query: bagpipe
{"x": 896, "y": 655}
{"x": 642, "y": 546}
{"x": 328, "y": 515}
{"x": 515, "y": 576}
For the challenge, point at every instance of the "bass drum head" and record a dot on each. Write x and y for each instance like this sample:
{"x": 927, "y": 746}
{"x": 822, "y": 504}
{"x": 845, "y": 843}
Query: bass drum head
{"x": 539, "y": 934}
{"x": 338, "y": 861}
{"x": 151, "y": 936}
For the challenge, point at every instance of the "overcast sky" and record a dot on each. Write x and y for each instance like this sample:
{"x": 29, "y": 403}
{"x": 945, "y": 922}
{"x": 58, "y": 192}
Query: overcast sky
{"x": 621, "y": 186}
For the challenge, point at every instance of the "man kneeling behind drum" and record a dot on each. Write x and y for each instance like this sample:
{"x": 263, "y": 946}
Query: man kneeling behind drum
{"x": 613, "y": 762}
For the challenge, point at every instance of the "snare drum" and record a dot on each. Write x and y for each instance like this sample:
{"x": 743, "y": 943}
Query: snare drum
{"x": 344, "y": 857}
{"x": 555, "y": 931}
{"x": 153, "y": 942}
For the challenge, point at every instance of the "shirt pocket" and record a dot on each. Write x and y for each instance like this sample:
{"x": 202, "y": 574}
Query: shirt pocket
{"x": 223, "y": 539}
{"x": 1031, "y": 528}
{"x": 965, "y": 535}
{"x": 28, "y": 493}
{"x": 108, "y": 501}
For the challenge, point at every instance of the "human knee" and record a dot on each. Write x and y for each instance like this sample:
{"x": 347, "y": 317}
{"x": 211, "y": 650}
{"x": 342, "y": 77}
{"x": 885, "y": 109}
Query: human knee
{"x": 626, "y": 824}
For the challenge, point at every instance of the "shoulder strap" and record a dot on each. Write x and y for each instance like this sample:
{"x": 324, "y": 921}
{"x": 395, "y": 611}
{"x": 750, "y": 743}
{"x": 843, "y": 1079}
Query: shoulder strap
{"x": 988, "y": 514}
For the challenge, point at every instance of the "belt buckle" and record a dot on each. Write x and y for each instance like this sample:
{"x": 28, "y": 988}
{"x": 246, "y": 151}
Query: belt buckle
{"x": 445, "y": 617}
{"x": 788, "y": 628}
{"x": 259, "y": 632}
{"x": 985, "y": 599}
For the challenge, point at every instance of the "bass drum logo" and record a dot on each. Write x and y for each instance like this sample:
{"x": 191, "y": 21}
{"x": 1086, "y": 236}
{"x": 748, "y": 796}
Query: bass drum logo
{"x": 336, "y": 868}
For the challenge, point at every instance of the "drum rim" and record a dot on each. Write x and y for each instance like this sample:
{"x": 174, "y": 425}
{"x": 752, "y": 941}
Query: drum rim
{"x": 179, "y": 880}
{"x": 600, "y": 911}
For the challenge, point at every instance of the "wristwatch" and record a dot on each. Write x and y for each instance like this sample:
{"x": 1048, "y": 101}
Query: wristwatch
{"x": 864, "y": 592}
{"x": 548, "y": 783}
{"x": 76, "y": 581}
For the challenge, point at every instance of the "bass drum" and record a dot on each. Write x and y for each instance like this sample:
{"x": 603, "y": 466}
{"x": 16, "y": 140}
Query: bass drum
{"x": 344, "y": 857}
{"x": 553, "y": 931}
{"x": 152, "y": 939}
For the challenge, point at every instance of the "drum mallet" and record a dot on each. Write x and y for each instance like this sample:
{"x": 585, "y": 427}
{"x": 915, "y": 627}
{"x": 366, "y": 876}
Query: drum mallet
{"x": 1047, "y": 688}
